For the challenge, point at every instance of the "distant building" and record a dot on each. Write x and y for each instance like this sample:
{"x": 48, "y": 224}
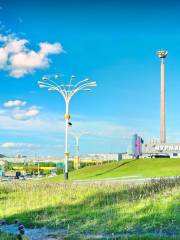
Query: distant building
{"x": 137, "y": 142}
{"x": 127, "y": 155}
{"x": 156, "y": 149}
{"x": 2, "y": 162}
{"x": 102, "y": 156}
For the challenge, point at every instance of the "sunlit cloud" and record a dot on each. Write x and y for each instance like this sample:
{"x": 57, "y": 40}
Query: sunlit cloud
{"x": 18, "y": 145}
{"x": 19, "y": 60}
{"x": 24, "y": 114}
{"x": 14, "y": 103}
{"x": 16, "y": 109}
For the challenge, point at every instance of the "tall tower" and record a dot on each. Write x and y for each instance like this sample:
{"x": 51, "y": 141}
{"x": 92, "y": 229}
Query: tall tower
{"x": 162, "y": 55}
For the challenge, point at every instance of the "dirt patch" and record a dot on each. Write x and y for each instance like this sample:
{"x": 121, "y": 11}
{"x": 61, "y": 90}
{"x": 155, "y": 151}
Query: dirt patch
{"x": 36, "y": 233}
{"x": 60, "y": 234}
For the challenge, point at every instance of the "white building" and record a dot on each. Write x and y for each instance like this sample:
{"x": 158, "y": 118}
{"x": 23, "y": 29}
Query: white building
{"x": 155, "y": 149}
{"x": 102, "y": 156}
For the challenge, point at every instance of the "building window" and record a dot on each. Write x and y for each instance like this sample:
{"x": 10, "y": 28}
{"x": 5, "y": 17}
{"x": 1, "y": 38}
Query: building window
{"x": 175, "y": 154}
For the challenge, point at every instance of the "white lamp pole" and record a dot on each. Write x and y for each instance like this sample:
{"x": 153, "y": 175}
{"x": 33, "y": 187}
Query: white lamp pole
{"x": 77, "y": 138}
{"x": 53, "y": 83}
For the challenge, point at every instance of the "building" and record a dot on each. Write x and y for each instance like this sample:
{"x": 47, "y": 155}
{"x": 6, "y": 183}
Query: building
{"x": 136, "y": 150}
{"x": 156, "y": 149}
{"x": 102, "y": 156}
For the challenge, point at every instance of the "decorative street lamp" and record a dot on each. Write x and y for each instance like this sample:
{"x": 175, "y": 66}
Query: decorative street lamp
{"x": 77, "y": 138}
{"x": 54, "y": 83}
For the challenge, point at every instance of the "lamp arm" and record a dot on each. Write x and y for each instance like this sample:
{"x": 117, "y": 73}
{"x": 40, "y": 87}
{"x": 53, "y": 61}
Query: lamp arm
{"x": 82, "y": 87}
{"x": 54, "y": 83}
{"x": 84, "y": 80}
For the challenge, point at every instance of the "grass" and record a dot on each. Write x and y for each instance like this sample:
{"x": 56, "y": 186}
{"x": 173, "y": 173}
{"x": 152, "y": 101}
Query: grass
{"x": 6, "y": 236}
{"x": 95, "y": 208}
{"x": 141, "y": 168}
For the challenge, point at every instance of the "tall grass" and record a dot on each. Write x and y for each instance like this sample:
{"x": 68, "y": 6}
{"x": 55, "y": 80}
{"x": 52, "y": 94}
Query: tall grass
{"x": 94, "y": 208}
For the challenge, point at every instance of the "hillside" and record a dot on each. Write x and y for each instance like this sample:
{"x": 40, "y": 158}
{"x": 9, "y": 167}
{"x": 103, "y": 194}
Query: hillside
{"x": 93, "y": 211}
{"x": 141, "y": 168}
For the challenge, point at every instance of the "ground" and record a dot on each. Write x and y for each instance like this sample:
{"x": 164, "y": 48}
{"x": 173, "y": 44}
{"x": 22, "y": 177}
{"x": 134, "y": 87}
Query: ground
{"x": 5, "y": 236}
{"x": 141, "y": 168}
{"x": 148, "y": 211}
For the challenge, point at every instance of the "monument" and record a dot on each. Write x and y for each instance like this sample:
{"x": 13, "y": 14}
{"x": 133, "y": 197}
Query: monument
{"x": 162, "y": 55}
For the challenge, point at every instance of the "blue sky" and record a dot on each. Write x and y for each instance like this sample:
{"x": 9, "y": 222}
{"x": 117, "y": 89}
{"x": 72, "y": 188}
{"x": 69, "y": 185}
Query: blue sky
{"x": 113, "y": 43}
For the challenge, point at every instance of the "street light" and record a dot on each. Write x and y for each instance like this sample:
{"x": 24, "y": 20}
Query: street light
{"x": 77, "y": 137}
{"x": 67, "y": 90}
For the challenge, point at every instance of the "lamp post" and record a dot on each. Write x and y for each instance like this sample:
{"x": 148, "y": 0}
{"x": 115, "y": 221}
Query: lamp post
{"x": 77, "y": 138}
{"x": 67, "y": 90}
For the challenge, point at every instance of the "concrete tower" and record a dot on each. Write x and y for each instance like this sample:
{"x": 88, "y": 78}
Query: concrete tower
{"x": 162, "y": 55}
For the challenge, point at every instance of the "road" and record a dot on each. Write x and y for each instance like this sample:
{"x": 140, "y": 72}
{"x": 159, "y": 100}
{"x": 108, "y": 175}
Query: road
{"x": 131, "y": 181}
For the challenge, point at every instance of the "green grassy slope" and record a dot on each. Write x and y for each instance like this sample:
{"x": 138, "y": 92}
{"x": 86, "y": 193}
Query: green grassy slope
{"x": 96, "y": 208}
{"x": 140, "y": 168}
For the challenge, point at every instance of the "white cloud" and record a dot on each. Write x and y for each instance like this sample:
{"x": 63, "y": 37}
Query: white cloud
{"x": 47, "y": 48}
{"x": 17, "y": 145}
{"x": 16, "y": 110}
{"x": 3, "y": 58}
{"x": 49, "y": 128}
{"x": 15, "y": 45}
{"x": 3, "y": 38}
{"x": 50, "y": 123}
{"x": 59, "y": 146}
{"x": 14, "y": 103}
{"x": 19, "y": 60}
{"x": 25, "y": 114}
{"x": 3, "y": 112}
{"x": 7, "y": 144}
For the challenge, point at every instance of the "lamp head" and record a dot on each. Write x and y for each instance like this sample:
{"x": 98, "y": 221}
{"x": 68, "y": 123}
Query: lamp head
{"x": 52, "y": 89}
{"x": 93, "y": 84}
{"x": 42, "y": 86}
{"x": 162, "y": 53}
{"x": 56, "y": 76}
{"x": 72, "y": 77}
{"x": 45, "y": 78}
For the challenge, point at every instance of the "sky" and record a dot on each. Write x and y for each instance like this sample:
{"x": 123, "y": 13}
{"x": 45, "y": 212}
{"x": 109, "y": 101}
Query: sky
{"x": 111, "y": 42}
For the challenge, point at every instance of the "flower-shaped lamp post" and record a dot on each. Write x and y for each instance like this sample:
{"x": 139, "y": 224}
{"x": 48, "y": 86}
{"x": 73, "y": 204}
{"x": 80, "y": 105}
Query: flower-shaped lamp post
{"x": 54, "y": 83}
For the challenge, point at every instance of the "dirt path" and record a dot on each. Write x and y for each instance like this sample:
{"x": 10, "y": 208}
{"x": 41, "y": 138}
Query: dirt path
{"x": 59, "y": 234}
{"x": 36, "y": 233}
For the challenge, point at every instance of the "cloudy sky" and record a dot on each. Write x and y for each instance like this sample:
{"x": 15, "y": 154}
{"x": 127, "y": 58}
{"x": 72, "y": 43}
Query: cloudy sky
{"x": 111, "y": 42}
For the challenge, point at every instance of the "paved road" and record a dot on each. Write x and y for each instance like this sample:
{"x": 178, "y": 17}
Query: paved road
{"x": 130, "y": 181}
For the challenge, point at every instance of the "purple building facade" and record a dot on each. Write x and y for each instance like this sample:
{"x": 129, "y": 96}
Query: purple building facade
{"x": 137, "y": 142}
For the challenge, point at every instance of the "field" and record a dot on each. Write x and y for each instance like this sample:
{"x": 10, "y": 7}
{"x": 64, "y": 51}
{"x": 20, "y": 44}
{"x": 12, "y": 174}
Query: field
{"x": 141, "y": 168}
{"x": 85, "y": 211}
{"x": 4, "y": 236}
